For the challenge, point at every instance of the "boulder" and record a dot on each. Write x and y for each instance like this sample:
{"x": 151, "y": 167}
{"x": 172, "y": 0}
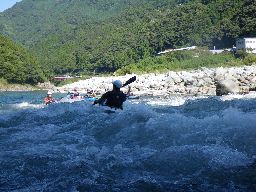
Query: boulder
{"x": 220, "y": 73}
{"x": 46, "y": 85}
{"x": 226, "y": 86}
{"x": 244, "y": 89}
{"x": 211, "y": 91}
{"x": 169, "y": 81}
{"x": 192, "y": 90}
{"x": 176, "y": 78}
{"x": 252, "y": 89}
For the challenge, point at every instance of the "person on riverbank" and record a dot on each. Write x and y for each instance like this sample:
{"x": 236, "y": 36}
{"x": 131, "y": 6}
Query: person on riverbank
{"x": 114, "y": 98}
{"x": 49, "y": 99}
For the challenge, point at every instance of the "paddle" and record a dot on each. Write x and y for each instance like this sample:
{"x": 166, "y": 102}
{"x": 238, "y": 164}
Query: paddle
{"x": 129, "y": 81}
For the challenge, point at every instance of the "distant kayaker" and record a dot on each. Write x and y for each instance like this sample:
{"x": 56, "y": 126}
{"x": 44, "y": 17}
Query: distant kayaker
{"x": 75, "y": 94}
{"x": 49, "y": 99}
{"x": 114, "y": 98}
{"x": 91, "y": 93}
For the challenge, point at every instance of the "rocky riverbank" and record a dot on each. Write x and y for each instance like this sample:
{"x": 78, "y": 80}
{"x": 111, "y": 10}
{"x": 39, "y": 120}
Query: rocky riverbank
{"x": 203, "y": 81}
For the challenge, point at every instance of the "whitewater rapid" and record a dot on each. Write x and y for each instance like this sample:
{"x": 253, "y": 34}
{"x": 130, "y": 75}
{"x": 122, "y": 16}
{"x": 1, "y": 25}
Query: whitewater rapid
{"x": 154, "y": 144}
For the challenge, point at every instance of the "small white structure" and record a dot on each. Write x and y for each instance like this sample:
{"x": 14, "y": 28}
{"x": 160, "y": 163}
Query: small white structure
{"x": 217, "y": 51}
{"x": 246, "y": 43}
{"x": 180, "y": 49}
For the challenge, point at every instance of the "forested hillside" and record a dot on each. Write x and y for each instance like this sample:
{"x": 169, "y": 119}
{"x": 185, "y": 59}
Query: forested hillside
{"x": 30, "y": 20}
{"x": 71, "y": 36}
{"x": 18, "y": 65}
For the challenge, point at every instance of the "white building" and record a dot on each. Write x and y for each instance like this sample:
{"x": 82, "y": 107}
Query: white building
{"x": 248, "y": 44}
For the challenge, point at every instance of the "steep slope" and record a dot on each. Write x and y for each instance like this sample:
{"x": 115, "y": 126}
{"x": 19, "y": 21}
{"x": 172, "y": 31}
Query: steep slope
{"x": 102, "y": 36}
{"x": 18, "y": 65}
{"x": 31, "y": 20}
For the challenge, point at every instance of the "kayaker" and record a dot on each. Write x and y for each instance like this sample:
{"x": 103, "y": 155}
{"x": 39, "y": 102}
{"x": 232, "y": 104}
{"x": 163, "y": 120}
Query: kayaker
{"x": 69, "y": 95}
{"x": 114, "y": 98}
{"x": 75, "y": 94}
{"x": 49, "y": 99}
{"x": 90, "y": 94}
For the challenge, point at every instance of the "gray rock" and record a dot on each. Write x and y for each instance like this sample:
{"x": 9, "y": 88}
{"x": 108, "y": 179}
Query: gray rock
{"x": 211, "y": 91}
{"x": 201, "y": 81}
{"x": 226, "y": 86}
{"x": 244, "y": 89}
{"x": 192, "y": 90}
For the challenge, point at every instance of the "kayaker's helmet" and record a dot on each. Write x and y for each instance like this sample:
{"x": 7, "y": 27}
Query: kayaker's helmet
{"x": 117, "y": 83}
{"x": 49, "y": 93}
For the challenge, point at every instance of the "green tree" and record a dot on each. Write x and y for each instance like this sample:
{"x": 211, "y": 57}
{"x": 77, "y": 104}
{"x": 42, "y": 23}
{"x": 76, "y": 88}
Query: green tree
{"x": 18, "y": 65}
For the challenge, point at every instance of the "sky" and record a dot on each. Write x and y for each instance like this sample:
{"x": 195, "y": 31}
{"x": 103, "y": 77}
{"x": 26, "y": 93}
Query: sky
{"x": 5, "y": 4}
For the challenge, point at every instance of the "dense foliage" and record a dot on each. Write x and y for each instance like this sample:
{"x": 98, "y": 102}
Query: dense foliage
{"x": 18, "y": 65}
{"x": 30, "y": 21}
{"x": 182, "y": 60}
{"x": 89, "y": 36}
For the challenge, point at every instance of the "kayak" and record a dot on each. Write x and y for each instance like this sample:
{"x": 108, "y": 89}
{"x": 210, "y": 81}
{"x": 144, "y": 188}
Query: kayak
{"x": 69, "y": 100}
{"x": 129, "y": 97}
{"x": 90, "y": 99}
{"x": 133, "y": 97}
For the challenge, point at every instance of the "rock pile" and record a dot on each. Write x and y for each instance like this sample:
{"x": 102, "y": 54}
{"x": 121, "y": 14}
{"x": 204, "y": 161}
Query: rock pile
{"x": 203, "y": 81}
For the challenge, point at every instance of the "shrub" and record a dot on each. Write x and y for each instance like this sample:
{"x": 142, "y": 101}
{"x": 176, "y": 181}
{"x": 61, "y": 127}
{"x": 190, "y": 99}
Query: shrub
{"x": 241, "y": 54}
{"x": 181, "y": 61}
{"x": 249, "y": 59}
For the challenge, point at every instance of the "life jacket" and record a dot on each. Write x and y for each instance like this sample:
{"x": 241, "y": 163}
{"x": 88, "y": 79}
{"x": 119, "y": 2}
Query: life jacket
{"x": 114, "y": 99}
{"x": 48, "y": 100}
{"x": 75, "y": 95}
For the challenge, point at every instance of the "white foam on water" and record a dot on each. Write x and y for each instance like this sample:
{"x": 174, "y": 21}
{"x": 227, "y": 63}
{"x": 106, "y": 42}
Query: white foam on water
{"x": 251, "y": 95}
{"x": 18, "y": 106}
{"x": 169, "y": 102}
{"x": 69, "y": 100}
{"x": 172, "y": 100}
{"x": 65, "y": 146}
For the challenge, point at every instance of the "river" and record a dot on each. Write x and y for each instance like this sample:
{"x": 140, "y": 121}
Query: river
{"x": 155, "y": 144}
